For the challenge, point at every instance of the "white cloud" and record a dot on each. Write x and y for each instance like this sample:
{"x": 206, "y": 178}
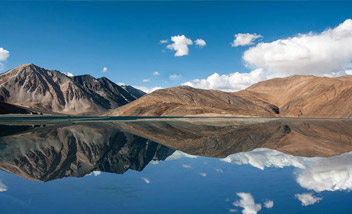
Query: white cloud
{"x": 261, "y": 158}
{"x": 247, "y": 203}
{"x": 105, "y": 69}
{"x": 232, "y": 210}
{"x": 200, "y": 42}
{"x": 3, "y": 187}
{"x": 68, "y": 74}
{"x": 186, "y": 166}
{"x": 317, "y": 174}
{"x": 4, "y": 54}
{"x": 174, "y": 76}
{"x": 146, "y": 80}
{"x": 269, "y": 204}
{"x": 244, "y": 39}
{"x": 325, "y": 53}
{"x": 96, "y": 173}
{"x": 328, "y": 174}
{"x": 156, "y": 73}
{"x": 146, "y": 89}
{"x": 203, "y": 174}
{"x": 180, "y": 45}
{"x": 348, "y": 71}
{"x": 307, "y": 199}
{"x": 164, "y": 41}
{"x": 146, "y": 180}
{"x": 232, "y": 82}
{"x": 178, "y": 154}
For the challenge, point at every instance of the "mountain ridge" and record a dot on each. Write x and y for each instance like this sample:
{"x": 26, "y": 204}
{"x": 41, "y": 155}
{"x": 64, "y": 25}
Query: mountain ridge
{"x": 43, "y": 90}
{"x": 294, "y": 96}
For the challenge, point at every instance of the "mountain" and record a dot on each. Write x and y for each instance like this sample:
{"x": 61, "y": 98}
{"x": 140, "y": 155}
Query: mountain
{"x": 305, "y": 96}
{"x": 50, "y": 91}
{"x": 220, "y": 137}
{"x": 184, "y": 101}
{"x": 53, "y": 152}
{"x": 6, "y": 108}
{"x": 294, "y": 96}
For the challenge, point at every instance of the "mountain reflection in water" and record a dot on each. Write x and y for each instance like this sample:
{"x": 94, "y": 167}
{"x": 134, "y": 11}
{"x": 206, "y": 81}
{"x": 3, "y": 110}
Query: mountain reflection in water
{"x": 319, "y": 151}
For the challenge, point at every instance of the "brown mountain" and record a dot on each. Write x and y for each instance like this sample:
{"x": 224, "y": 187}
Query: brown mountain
{"x": 45, "y": 90}
{"x": 56, "y": 150}
{"x": 184, "y": 101}
{"x": 294, "y": 96}
{"x": 305, "y": 96}
{"x": 220, "y": 137}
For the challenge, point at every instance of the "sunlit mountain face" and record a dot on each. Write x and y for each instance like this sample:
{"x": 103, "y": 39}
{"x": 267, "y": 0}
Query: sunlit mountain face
{"x": 217, "y": 165}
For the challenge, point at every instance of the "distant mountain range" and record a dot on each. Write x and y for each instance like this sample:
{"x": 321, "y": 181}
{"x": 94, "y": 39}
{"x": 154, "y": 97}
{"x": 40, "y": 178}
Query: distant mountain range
{"x": 32, "y": 88}
{"x": 294, "y": 96}
{"x": 29, "y": 88}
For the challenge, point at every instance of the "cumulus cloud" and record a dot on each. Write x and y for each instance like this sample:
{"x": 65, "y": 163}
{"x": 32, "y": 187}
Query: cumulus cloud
{"x": 178, "y": 155}
{"x": 68, "y": 74}
{"x": 262, "y": 157}
{"x": 307, "y": 199}
{"x": 96, "y": 173}
{"x": 247, "y": 203}
{"x": 174, "y": 76}
{"x": 317, "y": 174}
{"x": 146, "y": 80}
{"x": 146, "y": 180}
{"x": 4, "y": 54}
{"x": 269, "y": 204}
{"x": 180, "y": 45}
{"x": 164, "y": 41}
{"x": 186, "y": 166}
{"x": 156, "y": 73}
{"x": 105, "y": 69}
{"x": 244, "y": 39}
{"x": 232, "y": 82}
{"x": 328, "y": 174}
{"x": 3, "y": 187}
{"x": 203, "y": 174}
{"x": 200, "y": 42}
{"x": 325, "y": 53}
{"x": 146, "y": 89}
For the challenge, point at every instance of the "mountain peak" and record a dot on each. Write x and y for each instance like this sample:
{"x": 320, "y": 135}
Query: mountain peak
{"x": 34, "y": 87}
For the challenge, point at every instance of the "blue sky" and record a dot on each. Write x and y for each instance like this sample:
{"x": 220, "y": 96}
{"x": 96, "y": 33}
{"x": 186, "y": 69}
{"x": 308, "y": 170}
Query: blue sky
{"x": 84, "y": 37}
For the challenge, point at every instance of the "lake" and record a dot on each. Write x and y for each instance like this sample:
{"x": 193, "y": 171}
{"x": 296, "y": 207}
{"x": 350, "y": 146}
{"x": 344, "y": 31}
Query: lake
{"x": 175, "y": 165}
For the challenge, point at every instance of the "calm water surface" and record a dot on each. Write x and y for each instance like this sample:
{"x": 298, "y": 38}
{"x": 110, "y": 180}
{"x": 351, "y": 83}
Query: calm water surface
{"x": 175, "y": 165}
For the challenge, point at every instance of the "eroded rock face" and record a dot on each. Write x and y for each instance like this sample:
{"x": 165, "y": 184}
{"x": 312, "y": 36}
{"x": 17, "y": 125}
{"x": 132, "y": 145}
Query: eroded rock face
{"x": 52, "y": 91}
{"x": 48, "y": 153}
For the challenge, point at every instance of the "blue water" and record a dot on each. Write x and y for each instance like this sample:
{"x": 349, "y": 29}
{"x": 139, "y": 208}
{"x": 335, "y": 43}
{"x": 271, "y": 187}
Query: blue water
{"x": 172, "y": 189}
{"x": 103, "y": 168}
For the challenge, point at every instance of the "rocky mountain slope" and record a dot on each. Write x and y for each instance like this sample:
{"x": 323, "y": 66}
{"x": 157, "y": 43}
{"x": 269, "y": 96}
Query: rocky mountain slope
{"x": 184, "y": 101}
{"x": 45, "y": 90}
{"x": 58, "y": 150}
{"x": 48, "y": 153}
{"x": 305, "y": 96}
{"x": 294, "y": 96}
